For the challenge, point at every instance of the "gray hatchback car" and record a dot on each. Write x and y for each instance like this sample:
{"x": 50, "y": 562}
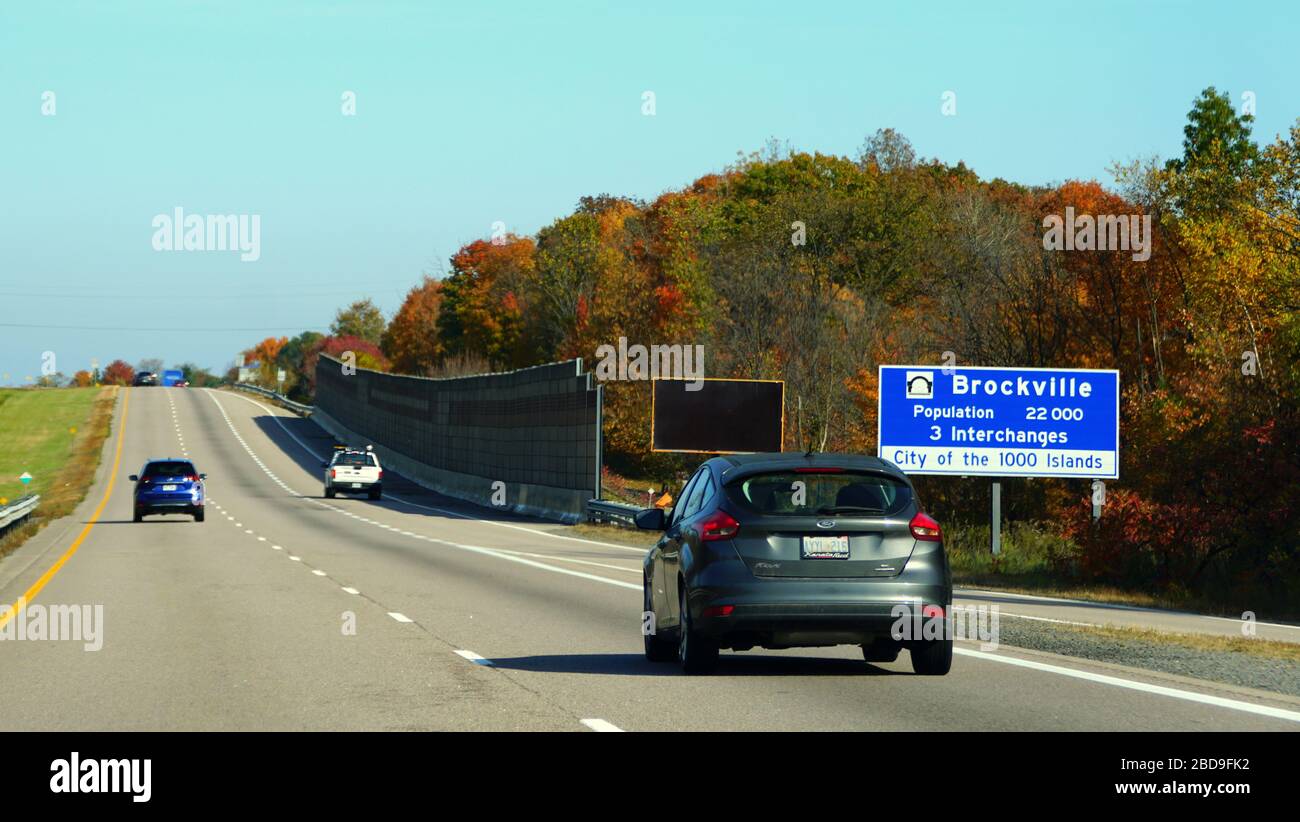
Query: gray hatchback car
{"x": 790, "y": 550}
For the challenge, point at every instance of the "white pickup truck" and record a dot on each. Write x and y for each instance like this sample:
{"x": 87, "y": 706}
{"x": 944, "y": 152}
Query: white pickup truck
{"x": 352, "y": 471}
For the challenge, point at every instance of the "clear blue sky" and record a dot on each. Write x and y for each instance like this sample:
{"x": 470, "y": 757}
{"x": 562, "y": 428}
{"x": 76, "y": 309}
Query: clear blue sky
{"x": 472, "y": 113}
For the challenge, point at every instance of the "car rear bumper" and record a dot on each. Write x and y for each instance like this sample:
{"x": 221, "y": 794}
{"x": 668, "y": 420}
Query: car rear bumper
{"x": 354, "y": 485}
{"x": 740, "y": 610}
{"x": 168, "y": 507}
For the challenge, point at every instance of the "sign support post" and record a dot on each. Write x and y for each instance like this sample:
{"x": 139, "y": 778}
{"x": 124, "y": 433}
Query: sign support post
{"x": 995, "y": 524}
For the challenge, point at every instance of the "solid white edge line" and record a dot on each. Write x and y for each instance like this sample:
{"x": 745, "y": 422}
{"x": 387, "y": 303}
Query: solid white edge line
{"x": 601, "y": 726}
{"x": 1161, "y": 690}
{"x": 959, "y": 593}
{"x": 1049, "y": 619}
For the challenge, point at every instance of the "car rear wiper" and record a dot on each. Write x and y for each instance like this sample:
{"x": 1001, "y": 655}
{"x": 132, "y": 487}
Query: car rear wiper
{"x": 849, "y": 509}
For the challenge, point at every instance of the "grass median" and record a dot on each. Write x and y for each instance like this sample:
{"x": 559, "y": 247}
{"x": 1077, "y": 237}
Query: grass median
{"x": 56, "y": 435}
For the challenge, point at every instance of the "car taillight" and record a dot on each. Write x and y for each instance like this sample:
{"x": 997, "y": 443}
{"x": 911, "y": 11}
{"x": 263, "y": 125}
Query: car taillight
{"x": 193, "y": 478}
{"x": 333, "y": 473}
{"x": 381, "y": 473}
{"x": 719, "y": 610}
{"x": 720, "y": 525}
{"x": 925, "y": 528}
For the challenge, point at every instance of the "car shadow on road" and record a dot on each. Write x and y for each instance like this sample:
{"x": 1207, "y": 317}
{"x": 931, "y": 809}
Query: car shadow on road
{"x": 738, "y": 664}
{"x": 181, "y": 519}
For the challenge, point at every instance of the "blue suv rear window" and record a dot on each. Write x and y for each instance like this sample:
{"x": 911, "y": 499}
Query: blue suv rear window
{"x": 169, "y": 469}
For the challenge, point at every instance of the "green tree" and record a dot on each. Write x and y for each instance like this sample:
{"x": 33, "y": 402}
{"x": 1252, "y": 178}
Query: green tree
{"x": 1217, "y": 154}
{"x": 361, "y": 319}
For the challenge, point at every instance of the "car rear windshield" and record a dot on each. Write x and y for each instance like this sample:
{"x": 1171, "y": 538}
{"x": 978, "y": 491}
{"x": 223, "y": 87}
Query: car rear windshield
{"x": 792, "y": 493}
{"x": 354, "y": 459}
{"x": 168, "y": 469}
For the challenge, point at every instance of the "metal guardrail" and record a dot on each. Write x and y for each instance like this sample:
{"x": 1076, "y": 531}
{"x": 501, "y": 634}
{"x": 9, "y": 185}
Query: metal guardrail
{"x": 296, "y": 407}
{"x": 18, "y": 510}
{"x": 599, "y": 510}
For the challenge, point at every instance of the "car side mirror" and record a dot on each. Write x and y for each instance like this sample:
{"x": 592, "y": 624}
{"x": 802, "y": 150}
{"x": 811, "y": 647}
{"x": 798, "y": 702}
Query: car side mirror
{"x": 203, "y": 476}
{"x": 133, "y": 478}
{"x": 651, "y": 519}
{"x": 324, "y": 465}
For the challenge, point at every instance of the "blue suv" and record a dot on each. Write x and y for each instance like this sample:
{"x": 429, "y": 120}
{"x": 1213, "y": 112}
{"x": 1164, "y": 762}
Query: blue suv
{"x": 168, "y": 486}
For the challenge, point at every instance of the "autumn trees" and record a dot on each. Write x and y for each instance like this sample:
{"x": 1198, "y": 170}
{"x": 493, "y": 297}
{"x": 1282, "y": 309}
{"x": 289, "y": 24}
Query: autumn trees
{"x": 118, "y": 372}
{"x": 816, "y": 268}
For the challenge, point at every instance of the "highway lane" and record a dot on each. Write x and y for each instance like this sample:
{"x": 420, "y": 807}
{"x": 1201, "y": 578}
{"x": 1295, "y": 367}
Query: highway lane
{"x": 206, "y": 628}
{"x": 219, "y": 628}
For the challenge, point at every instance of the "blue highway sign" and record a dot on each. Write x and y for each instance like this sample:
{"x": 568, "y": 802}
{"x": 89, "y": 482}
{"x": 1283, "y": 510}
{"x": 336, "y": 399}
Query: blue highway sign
{"x": 1000, "y": 422}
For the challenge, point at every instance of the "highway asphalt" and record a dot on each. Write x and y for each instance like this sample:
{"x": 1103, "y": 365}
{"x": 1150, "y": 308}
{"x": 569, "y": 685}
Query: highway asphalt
{"x": 464, "y": 619}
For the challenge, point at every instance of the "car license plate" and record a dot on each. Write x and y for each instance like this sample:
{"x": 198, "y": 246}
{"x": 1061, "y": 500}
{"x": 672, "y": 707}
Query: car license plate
{"x": 356, "y": 485}
{"x": 825, "y": 547}
{"x": 169, "y": 487}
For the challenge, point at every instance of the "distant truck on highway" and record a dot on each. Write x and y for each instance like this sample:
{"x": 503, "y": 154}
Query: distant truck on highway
{"x": 172, "y": 378}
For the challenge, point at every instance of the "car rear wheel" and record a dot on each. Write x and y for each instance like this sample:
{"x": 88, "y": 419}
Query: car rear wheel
{"x": 932, "y": 657}
{"x": 198, "y": 515}
{"x": 375, "y": 493}
{"x": 139, "y": 517}
{"x": 697, "y": 653}
{"x": 657, "y": 649}
{"x": 329, "y": 492}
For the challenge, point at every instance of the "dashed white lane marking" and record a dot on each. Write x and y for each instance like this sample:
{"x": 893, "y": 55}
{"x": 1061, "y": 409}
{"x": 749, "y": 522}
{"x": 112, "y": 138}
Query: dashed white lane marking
{"x": 1133, "y": 685}
{"x": 277, "y": 547}
{"x": 248, "y": 530}
{"x": 261, "y": 539}
{"x": 400, "y": 617}
{"x": 295, "y": 559}
{"x": 318, "y": 572}
{"x": 475, "y": 658}
{"x": 352, "y": 591}
{"x": 601, "y": 726}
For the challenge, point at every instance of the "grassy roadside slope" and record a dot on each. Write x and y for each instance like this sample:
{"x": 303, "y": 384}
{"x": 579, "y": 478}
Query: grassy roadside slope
{"x": 56, "y": 435}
